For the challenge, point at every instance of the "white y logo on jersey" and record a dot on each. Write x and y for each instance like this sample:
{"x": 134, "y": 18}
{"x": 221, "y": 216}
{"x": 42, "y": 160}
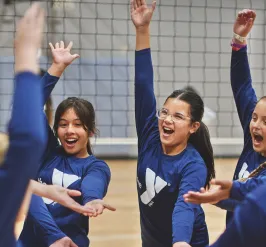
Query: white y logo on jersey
{"x": 153, "y": 184}
{"x": 61, "y": 179}
{"x": 243, "y": 172}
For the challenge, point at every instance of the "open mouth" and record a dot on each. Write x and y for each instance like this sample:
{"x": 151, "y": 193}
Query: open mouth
{"x": 167, "y": 131}
{"x": 71, "y": 142}
{"x": 257, "y": 138}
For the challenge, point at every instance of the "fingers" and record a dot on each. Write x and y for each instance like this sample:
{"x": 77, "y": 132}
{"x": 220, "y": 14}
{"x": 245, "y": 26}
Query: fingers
{"x": 51, "y": 46}
{"x": 135, "y": 4}
{"x": 139, "y": 3}
{"x": 153, "y": 5}
{"x": 69, "y": 47}
{"x": 57, "y": 45}
{"x": 132, "y": 6}
{"x": 109, "y": 207}
{"x": 75, "y": 56}
{"x": 62, "y": 45}
{"x": 73, "y": 193}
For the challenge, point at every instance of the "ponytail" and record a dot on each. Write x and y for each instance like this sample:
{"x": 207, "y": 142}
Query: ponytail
{"x": 202, "y": 143}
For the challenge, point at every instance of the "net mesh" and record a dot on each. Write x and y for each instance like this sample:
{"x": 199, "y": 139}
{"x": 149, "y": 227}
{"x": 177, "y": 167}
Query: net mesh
{"x": 190, "y": 46}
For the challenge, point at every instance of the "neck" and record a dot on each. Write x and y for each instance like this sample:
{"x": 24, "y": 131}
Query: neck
{"x": 174, "y": 150}
{"x": 82, "y": 154}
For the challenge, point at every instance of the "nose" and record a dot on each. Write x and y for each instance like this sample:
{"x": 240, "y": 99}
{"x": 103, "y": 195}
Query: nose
{"x": 70, "y": 129}
{"x": 256, "y": 124}
{"x": 168, "y": 119}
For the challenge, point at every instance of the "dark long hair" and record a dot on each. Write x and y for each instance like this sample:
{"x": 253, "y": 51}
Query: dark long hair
{"x": 84, "y": 110}
{"x": 201, "y": 138}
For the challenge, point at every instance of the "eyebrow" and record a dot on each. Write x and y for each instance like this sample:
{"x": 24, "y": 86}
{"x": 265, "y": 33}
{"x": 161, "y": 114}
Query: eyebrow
{"x": 62, "y": 119}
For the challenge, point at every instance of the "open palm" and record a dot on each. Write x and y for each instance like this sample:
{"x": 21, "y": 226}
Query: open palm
{"x": 141, "y": 13}
{"x": 62, "y": 55}
{"x": 244, "y": 22}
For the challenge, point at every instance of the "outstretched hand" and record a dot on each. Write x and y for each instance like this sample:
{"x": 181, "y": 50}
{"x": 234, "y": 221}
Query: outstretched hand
{"x": 244, "y": 22}
{"x": 62, "y": 55}
{"x": 99, "y": 205}
{"x": 64, "y": 196}
{"x": 141, "y": 13}
{"x": 220, "y": 191}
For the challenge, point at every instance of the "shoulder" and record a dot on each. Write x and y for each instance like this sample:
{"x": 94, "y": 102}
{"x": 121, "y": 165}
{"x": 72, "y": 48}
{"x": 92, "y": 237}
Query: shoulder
{"x": 93, "y": 163}
{"x": 192, "y": 157}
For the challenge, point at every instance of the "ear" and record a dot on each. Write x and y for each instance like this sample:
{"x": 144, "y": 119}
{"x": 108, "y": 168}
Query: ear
{"x": 91, "y": 134}
{"x": 194, "y": 127}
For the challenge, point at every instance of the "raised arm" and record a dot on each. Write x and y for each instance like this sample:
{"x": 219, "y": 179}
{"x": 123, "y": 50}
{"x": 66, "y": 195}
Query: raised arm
{"x": 26, "y": 130}
{"x": 241, "y": 82}
{"x": 62, "y": 58}
{"x": 145, "y": 103}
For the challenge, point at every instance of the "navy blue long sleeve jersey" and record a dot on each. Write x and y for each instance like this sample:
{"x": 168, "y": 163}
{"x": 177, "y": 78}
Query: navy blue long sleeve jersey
{"x": 248, "y": 226}
{"x": 245, "y": 99}
{"x": 240, "y": 189}
{"x": 89, "y": 175}
{"x": 27, "y": 142}
{"x": 162, "y": 180}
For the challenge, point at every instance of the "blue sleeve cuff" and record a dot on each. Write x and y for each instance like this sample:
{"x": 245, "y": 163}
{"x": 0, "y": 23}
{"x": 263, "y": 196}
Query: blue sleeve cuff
{"x": 54, "y": 238}
{"x": 147, "y": 50}
{"x": 235, "y": 191}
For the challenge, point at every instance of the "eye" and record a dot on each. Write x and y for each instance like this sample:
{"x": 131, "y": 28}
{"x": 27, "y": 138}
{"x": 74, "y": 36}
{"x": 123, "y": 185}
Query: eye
{"x": 163, "y": 112}
{"x": 62, "y": 125}
{"x": 78, "y": 124}
{"x": 254, "y": 118}
{"x": 178, "y": 117}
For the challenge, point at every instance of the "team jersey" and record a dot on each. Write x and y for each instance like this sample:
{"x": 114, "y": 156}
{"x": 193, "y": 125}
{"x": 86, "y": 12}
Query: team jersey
{"x": 162, "y": 180}
{"x": 245, "y": 99}
{"x": 248, "y": 226}
{"x": 89, "y": 175}
{"x": 26, "y": 132}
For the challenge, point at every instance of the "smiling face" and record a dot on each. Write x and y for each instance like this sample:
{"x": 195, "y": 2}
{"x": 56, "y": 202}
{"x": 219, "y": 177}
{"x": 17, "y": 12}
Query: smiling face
{"x": 176, "y": 129}
{"x": 72, "y": 134}
{"x": 258, "y": 127}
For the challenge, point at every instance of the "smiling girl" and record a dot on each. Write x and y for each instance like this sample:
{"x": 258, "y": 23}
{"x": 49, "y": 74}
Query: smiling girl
{"x": 174, "y": 152}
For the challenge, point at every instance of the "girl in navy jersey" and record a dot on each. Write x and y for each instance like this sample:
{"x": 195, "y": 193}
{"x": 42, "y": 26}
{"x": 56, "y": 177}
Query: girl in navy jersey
{"x": 175, "y": 154}
{"x": 26, "y": 131}
{"x": 71, "y": 165}
{"x": 251, "y": 111}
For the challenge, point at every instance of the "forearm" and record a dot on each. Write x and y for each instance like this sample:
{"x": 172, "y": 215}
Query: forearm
{"x": 56, "y": 69}
{"x": 142, "y": 38}
{"x": 43, "y": 220}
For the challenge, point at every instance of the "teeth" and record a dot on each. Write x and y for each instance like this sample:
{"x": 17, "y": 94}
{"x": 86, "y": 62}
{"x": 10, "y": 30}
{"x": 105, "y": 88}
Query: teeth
{"x": 71, "y": 140}
{"x": 166, "y": 128}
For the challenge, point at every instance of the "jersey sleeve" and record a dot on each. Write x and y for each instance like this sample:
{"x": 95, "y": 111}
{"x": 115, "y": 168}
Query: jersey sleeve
{"x": 249, "y": 225}
{"x": 27, "y": 139}
{"x": 228, "y": 204}
{"x": 240, "y": 189}
{"x": 145, "y": 102}
{"x": 241, "y": 83}
{"x": 95, "y": 183}
{"x": 193, "y": 178}
{"x": 46, "y": 229}
{"x": 48, "y": 84}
